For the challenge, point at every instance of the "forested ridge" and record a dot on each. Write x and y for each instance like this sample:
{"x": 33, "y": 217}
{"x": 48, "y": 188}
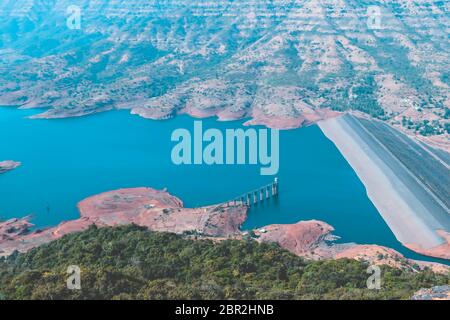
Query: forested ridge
{"x": 133, "y": 263}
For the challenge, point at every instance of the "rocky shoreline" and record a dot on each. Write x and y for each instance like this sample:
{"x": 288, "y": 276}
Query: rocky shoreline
{"x": 8, "y": 165}
{"x": 159, "y": 211}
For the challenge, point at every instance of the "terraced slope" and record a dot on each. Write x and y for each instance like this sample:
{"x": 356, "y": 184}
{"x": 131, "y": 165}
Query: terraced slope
{"x": 281, "y": 62}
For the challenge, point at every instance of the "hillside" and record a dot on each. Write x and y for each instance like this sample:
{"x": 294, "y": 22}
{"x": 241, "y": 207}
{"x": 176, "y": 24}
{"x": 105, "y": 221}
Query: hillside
{"x": 283, "y": 63}
{"x": 133, "y": 263}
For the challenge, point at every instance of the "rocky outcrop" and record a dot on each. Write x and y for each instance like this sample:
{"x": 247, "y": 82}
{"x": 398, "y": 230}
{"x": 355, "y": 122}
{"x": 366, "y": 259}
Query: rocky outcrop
{"x": 435, "y": 293}
{"x": 8, "y": 165}
{"x": 314, "y": 240}
{"x": 155, "y": 209}
{"x": 442, "y": 251}
{"x": 160, "y": 211}
{"x": 14, "y": 228}
{"x": 305, "y": 238}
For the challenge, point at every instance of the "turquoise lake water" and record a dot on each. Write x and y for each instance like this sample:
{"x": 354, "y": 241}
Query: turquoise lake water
{"x": 67, "y": 160}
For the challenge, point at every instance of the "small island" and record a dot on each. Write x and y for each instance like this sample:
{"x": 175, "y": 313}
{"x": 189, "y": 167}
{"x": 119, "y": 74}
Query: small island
{"x": 8, "y": 165}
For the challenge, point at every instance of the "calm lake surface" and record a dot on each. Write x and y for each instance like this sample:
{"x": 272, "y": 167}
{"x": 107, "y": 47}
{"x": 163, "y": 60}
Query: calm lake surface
{"x": 67, "y": 160}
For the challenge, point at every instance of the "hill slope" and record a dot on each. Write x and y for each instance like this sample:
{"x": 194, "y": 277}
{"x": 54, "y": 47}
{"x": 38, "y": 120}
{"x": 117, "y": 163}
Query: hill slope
{"x": 133, "y": 263}
{"x": 280, "y": 62}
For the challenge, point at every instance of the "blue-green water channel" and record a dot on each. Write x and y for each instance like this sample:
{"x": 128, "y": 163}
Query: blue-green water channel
{"x": 67, "y": 160}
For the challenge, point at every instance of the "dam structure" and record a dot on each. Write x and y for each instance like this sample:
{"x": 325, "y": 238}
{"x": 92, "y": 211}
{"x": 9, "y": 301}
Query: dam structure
{"x": 407, "y": 181}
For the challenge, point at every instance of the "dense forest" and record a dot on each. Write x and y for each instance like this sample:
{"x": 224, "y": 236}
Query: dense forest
{"x": 133, "y": 263}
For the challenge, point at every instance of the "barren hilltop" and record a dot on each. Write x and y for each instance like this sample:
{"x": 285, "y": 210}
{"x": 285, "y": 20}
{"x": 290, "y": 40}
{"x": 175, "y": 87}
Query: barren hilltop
{"x": 282, "y": 63}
